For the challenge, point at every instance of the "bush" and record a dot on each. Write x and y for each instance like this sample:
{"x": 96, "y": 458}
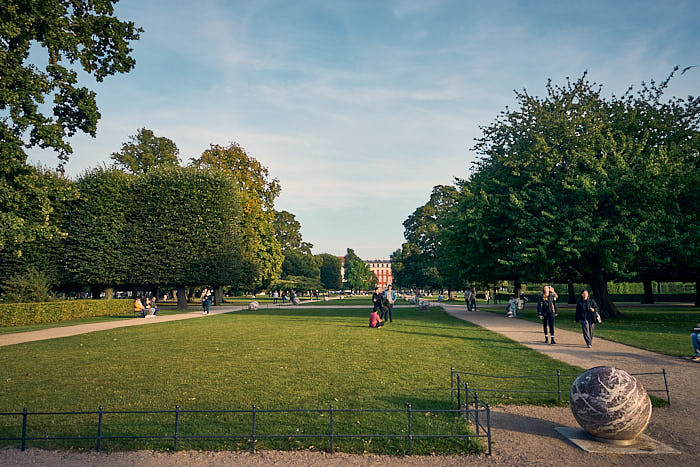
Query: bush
{"x": 30, "y": 286}
{"x": 20, "y": 314}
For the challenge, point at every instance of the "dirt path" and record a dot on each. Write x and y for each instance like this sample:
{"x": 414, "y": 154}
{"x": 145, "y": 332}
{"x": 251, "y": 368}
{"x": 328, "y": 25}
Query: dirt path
{"x": 523, "y": 435}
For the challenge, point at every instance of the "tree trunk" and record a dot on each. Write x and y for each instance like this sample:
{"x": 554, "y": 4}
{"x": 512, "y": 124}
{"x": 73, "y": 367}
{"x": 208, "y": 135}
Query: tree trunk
{"x": 697, "y": 293}
{"x": 154, "y": 291}
{"x": 95, "y": 291}
{"x": 450, "y": 295}
{"x": 648, "y": 292}
{"x": 572, "y": 293}
{"x": 109, "y": 293}
{"x": 516, "y": 288}
{"x": 599, "y": 287}
{"x": 181, "y": 298}
{"x": 218, "y": 295}
{"x": 190, "y": 294}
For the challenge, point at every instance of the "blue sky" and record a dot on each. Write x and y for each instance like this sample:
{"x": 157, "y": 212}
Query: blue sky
{"x": 361, "y": 107}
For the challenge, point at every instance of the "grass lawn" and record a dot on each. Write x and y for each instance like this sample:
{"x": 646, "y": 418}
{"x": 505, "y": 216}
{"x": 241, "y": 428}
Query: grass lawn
{"x": 657, "y": 328}
{"x": 276, "y": 359}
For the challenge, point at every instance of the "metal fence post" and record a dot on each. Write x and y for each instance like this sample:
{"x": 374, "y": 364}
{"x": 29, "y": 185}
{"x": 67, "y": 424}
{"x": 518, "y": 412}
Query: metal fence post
{"x": 24, "y": 428}
{"x": 410, "y": 435}
{"x": 452, "y": 386}
{"x": 476, "y": 412}
{"x": 488, "y": 426}
{"x": 459, "y": 393}
{"x": 99, "y": 429}
{"x": 466, "y": 400}
{"x": 558, "y": 384}
{"x": 668, "y": 396}
{"x": 177, "y": 427}
{"x": 252, "y": 442}
{"x": 331, "y": 432}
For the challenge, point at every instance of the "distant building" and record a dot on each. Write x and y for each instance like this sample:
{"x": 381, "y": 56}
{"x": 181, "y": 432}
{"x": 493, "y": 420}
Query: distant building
{"x": 382, "y": 269}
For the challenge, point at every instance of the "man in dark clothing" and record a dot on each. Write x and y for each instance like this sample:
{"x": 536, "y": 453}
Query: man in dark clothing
{"x": 377, "y": 302}
{"x": 586, "y": 309}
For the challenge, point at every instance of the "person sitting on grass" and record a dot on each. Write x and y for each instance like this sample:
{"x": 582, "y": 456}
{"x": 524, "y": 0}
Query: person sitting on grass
{"x": 695, "y": 340}
{"x": 512, "y": 307}
{"x": 374, "y": 320}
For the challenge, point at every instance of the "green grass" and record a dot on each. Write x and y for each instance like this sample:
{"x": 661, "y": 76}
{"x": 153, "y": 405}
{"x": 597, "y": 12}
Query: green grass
{"x": 660, "y": 329}
{"x": 288, "y": 358}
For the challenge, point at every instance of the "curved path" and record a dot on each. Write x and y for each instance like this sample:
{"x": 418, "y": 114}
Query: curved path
{"x": 676, "y": 425}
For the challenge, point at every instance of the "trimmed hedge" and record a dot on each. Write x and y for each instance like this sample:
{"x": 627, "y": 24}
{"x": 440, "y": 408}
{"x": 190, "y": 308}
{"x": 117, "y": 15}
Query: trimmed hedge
{"x": 20, "y": 314}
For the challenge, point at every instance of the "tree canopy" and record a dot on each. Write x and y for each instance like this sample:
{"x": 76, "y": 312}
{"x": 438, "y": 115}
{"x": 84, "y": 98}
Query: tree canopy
{"x": 144, "y": 151}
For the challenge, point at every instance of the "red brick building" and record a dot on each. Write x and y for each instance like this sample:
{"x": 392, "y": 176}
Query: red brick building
{"x": 382, "y": 269}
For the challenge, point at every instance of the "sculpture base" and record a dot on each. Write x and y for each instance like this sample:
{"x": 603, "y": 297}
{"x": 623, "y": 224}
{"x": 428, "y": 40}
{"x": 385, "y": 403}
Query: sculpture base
{"x": 642, "y": 445}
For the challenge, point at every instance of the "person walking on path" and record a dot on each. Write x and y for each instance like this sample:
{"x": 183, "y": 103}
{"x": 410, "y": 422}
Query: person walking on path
{"x": 695, "y": 340}
{"x": 206, "y": 301}
{"x": 390, "y": 297}
{"x": 586, "y": 309}
{"x": 547, "y": 311}
{"x": 487, "y": 296}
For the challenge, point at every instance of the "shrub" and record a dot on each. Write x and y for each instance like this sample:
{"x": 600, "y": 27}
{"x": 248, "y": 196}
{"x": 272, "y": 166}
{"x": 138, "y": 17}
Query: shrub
{"x": 29, "y": 286}
{"x": 19, "y": 314}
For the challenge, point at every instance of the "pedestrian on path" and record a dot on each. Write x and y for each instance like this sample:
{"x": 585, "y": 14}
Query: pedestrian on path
{"x": 206, "y": 301}
{"x": 586, "y": 309}
{"x": 695, "y": 340}
{"x": 547, "y": 311}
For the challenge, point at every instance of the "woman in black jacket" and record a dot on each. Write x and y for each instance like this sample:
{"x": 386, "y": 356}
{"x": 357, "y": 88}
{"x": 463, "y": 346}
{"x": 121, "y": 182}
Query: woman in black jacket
{"x": 586, "y": 309}
{"x": 546, "y": 311}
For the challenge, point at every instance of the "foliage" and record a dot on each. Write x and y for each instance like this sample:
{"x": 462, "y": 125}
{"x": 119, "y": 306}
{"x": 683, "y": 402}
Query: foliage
{"x": 30, "y": 286}
{"x": 180, "y": 224}
{"x": 357, "y": 274}
{"x": 298, "y": 283}
{"x": 288, "y": 233}
{"x": 95, "y": 252}
{"x": 297, "y": 263}
{"x": 43, "y": 198}
{"x": 145, "y": 151}
{"x": 17, "y": 314}
{"x": 573, "y": 186}
{"x": 260, "y": 245}
{"x": 330, "y": 271}
{"x": 60, "y": 33}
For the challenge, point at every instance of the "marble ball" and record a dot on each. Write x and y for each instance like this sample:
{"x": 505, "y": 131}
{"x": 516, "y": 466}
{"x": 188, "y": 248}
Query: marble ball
{"x": 610, "y": 404}
{"x": 252, "y": 306}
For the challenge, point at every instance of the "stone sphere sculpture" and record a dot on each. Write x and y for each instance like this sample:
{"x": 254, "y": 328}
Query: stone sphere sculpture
{"x": 423, "y": 305}
{"x": 252, "y": 306}
{"x": 610, "y": 404}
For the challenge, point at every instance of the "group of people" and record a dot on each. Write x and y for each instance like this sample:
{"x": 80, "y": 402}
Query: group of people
{"x": 383, "y": 307}
{"x": 145, "y": 307}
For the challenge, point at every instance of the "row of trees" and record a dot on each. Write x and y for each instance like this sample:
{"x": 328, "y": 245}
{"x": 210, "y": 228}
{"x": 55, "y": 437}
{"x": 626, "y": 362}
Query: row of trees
{"x": 571, "y": 187}
{"x": 148, "y": 222}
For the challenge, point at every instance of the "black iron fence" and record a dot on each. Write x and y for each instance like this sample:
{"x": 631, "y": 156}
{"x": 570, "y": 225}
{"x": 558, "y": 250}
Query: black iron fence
{"x": 99, "y": 421}
{"x": 459, "y": 381}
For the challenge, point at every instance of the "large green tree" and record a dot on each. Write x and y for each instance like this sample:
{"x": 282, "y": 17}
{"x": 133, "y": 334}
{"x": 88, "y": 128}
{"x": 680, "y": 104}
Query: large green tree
{"x": 95, "y": 252}
{"x": 260, "y": 191}
{"x": 330, "y": 270}
{"x": 357, "y": 274}
{"x": 43, "y": 45}
{"x": 184, "y": 229}
{"x": 144, "y": 151}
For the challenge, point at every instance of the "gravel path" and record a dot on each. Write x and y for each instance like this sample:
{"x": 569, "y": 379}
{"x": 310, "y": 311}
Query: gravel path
{"x": 523, "y": 435}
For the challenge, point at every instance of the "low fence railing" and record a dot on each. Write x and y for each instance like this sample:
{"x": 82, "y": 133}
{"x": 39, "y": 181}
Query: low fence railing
{"x": 99, "y": 418}
{"x": 459, "y": 382}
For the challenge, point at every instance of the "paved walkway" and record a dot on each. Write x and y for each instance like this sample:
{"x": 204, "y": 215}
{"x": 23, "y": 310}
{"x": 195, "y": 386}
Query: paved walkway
{"x": 676, "y": 425}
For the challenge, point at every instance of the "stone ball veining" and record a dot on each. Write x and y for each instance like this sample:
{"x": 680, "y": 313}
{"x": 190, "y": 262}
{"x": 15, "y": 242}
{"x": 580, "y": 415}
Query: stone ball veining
{"x": 610, "y": 404}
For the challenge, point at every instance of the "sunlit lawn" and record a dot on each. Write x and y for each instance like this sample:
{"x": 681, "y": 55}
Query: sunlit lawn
{"x": 276, "y": 359}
